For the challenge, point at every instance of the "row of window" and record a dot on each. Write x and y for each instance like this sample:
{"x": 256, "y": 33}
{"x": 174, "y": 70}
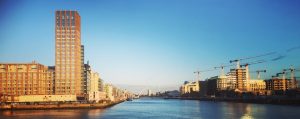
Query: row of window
{"x": 65, "y": 27}
{"x": 22, "y": 76}
{"x": 66, "y": 48}
{"x": 66, "y": 45}
{"x": 65, "y": 17}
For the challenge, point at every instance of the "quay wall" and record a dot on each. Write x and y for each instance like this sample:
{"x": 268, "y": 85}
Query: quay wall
{"x": 58, "y": 106}
{"x": 277, "y": 101}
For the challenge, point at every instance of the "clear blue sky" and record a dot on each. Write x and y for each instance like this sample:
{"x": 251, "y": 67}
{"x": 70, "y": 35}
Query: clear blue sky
{"x": 156, "y": 43}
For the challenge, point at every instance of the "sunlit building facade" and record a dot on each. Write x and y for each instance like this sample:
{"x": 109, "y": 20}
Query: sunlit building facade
{"x": 68, "y": 55}
{"x": 257, "y": 86}
{"x": 189, "y": 87}
{"x": 277, "y": 84}
{"x": 18, "y": 79}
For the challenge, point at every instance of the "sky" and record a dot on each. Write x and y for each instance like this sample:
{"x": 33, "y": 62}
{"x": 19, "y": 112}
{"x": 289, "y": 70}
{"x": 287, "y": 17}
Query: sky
{"x": 157, "y": 44}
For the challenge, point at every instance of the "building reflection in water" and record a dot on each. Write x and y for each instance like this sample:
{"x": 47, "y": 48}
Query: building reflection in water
{"x": 95, "y": 112}
{"x": 248, "y": 112}
{"x": 242, "y": 110}
{"x": 76, "y": 113}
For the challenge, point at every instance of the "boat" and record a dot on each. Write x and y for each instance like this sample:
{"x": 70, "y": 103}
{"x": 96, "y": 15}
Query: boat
{"x": 129, "y": 99}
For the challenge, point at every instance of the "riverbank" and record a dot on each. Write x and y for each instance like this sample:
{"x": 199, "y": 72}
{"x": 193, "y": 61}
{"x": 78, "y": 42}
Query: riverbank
{"x": 277, "y": 101}
{"x": 59, "y": 106}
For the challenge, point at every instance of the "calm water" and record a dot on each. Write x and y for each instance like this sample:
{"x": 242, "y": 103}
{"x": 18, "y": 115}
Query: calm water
{"x": 155, "y": 108}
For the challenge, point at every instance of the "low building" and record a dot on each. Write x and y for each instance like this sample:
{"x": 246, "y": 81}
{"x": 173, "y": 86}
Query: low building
{"x": 109, "y": 92}
{"x": 149, "y": 92}
{"x": 277, "y": 84}
{"x": 174, "y": 93}
{"x": 94, "y": 88}
{"x": 257, "y": 86}
{"x": 203, "y": 88}
{"x": 189, "y": 87}
{"x": 212, "y": 86}
{"x": 223, "y": 83}
{"x": 45, "y": 98}
{"x": 18, "y": 79}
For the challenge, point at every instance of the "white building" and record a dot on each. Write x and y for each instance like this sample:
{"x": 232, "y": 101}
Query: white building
{"x": 94, "y": 89}
{"x": 149, "y": 92}
{"x": 109, "y": 92}
{"x": 189, "y": 87}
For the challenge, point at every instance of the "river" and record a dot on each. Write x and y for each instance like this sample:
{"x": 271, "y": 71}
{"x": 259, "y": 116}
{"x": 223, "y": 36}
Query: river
{"x": 157, "y": 108}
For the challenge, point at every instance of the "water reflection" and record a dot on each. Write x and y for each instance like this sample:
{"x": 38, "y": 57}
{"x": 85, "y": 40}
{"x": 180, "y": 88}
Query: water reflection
{"x": 237, "y": 110}
{"x": 166, "y": 109}
{"x": 95, "y": 112}
{"x": 248, "y": 113}
{"x": 74, "y": 114}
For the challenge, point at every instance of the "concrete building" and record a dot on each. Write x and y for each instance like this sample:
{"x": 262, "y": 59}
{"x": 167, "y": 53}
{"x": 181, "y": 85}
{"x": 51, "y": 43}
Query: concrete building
{"x": 231, "y": 81}
{"x": 18, "y": 79}
{"x": 241, "y": 79}
{"x": 203, "y": 88}
{"x": 212, "y": 86}
{"x": 109, "y": 92}
{"x": 87, "y": 72}
{"x": 277, "y": 84}
{"x": 83, "y": 81}
{"x": 95, "y": 87}
{"x": 101, "y": 85}
{"x": 257, "y": 86}
{"x": 51, "y": 83}
{"x": 189, "y": 87}
{"x": 223, "y": 83}
{"x": 235, "y": 79}
{"x": 149, "y": 92}
{"x": 68, "y": 59}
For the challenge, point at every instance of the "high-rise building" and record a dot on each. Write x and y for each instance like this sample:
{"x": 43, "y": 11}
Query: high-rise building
{"x": 51, "y": 70}
{"x": 241, "y": 79}
{"x": 87, "y": 72}
{"x": 83, "y": 81}
{"x": 68, "y": 64}
{"x": 17, "y": 79}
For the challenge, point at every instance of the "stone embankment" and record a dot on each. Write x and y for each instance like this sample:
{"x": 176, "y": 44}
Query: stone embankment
{"x": 59, "y": 106}
{"x": 277, "y": 101}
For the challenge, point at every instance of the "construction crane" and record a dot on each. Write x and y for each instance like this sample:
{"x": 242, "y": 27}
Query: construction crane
{"x": 283, "y": 78}
{"x": 274, "y": 77}
{"x": 283, "y": 74}
{"x": 246, "y": 65}
{"x": 292, "y": 76}
{"x": 240, "y": 59}
{"x": 199, "y": 72}
{"x": 259, "y": 71}
{"x": 222, "y": 68}
{"x": 251, "y": 63}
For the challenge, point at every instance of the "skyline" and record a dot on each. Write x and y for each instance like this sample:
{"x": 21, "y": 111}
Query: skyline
{"x": 132, "y": 43}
